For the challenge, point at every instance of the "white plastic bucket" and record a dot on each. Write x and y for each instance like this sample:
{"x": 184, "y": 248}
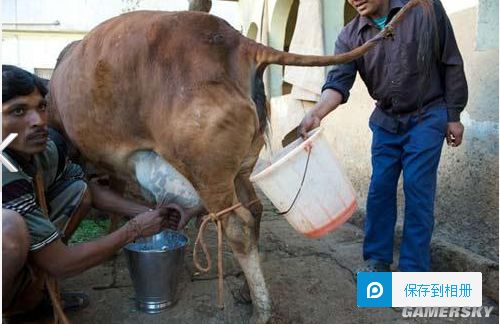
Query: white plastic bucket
{"x": 326, "y": 199}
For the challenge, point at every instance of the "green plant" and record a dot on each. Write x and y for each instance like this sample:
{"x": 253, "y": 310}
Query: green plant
{"x": 90, "y": 229}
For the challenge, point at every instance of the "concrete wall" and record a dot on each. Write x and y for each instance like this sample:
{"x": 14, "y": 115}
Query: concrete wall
{"x": 468, "y": 188}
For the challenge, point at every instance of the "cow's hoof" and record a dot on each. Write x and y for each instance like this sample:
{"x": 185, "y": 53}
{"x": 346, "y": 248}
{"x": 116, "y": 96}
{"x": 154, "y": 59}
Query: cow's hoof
{"x": 242, "y": 294}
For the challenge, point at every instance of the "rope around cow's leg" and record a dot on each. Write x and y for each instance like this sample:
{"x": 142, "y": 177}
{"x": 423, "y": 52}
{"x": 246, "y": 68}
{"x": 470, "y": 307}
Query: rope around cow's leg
{"x": 200, "y": 241}
{"x": 220, "y": 266}
{"x": 215, "y": 218}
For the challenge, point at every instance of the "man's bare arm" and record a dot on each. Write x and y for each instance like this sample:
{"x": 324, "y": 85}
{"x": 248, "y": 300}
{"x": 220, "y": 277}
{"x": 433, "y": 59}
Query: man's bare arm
{"x": 107, "y": 200}
{"x": 60, "y": 260}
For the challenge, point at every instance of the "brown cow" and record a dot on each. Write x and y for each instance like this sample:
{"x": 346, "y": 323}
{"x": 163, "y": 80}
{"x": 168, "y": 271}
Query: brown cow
{"x": 178, "y": 90}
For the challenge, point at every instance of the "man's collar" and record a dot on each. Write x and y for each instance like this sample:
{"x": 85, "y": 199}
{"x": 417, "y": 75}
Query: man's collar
{"x": 394, "y": 5}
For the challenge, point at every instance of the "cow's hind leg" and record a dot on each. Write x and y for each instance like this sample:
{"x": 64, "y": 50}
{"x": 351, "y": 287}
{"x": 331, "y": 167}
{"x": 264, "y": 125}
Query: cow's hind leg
{"x": 248, "y": 197}
{"x": 246, "y": 194}
{"x": 239, "y": 229}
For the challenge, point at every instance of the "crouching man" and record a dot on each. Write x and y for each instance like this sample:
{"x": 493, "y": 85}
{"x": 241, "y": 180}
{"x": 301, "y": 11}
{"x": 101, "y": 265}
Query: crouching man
{"x": 44, "y": 201}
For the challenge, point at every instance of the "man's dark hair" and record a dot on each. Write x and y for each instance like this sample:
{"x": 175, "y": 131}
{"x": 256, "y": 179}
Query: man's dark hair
{"x": 18, "y": 82}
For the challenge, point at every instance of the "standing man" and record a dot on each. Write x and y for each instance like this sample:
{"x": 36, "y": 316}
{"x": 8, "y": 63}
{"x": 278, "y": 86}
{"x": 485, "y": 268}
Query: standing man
{"x": 418, "y": 80}
{"x": 44, "y": 202}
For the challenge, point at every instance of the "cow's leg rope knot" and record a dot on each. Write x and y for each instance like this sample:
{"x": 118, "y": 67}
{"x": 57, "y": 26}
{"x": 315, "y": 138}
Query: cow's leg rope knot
{"x": 216, "y": 219}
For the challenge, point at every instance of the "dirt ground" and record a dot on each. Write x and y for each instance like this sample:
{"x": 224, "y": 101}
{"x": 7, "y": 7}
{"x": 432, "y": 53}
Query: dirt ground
{"x": 310, "y": 281}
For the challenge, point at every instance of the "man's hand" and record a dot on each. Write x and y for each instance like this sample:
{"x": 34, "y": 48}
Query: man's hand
{"x": 454, "y": 133}
{"x": 329, "y": 101}
{"x": 150, "y": 222}
{"x": 177, "y": 217}
{"x": 308, "y": 123}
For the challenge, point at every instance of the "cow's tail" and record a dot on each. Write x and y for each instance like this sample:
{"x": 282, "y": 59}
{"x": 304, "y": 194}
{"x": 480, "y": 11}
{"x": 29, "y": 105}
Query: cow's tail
{"x": 265, "y": 55}
{"x": 260, "y": 100}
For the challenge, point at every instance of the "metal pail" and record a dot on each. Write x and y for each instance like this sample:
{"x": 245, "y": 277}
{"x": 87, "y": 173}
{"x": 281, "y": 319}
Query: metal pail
{"x": 154, "y": 264}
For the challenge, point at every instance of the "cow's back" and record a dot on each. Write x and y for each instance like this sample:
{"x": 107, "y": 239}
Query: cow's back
{"x": 132, "y": 80}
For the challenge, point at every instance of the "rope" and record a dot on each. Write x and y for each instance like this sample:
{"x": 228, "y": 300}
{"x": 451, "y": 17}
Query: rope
{"x": 215, "y": 218}
{"x": 301, "y": 183}
{"x": 50, "y": 282}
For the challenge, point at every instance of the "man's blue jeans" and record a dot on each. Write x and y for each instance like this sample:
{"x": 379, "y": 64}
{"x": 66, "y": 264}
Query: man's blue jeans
{"x": 416, "y": 152}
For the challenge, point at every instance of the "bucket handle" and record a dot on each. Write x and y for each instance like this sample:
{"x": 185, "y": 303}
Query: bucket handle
{"x": 308, "y": 148}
